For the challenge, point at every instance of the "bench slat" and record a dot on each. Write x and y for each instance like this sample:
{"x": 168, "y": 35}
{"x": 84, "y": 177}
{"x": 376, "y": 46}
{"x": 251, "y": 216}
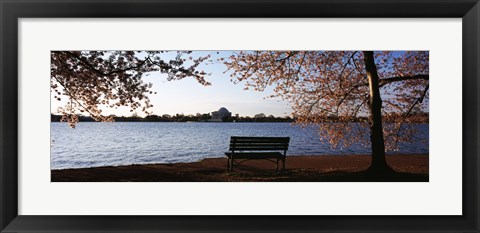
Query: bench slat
{"x": 258, "y": 148}
{"x": 258, "y": 155}
{"x": 257, "y": 137}
{"x": 260, "y": 139}
{"x": 259, "y": 143}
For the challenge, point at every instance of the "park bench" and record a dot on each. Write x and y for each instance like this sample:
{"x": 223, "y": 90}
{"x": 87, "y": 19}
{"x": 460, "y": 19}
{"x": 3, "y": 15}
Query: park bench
{"x": 249, "y": 148}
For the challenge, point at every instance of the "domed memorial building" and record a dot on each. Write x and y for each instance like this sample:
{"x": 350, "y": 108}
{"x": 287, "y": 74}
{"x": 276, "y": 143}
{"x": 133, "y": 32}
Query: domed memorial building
{"x": 221, "y": 114}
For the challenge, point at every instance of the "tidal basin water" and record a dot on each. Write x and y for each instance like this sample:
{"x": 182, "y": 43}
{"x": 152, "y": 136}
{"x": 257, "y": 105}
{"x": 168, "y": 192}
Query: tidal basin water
{"x": 94, "y": 144}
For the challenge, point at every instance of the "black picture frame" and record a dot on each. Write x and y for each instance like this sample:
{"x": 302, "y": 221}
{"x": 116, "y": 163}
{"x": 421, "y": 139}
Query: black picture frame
{"x": 11, "y": 11}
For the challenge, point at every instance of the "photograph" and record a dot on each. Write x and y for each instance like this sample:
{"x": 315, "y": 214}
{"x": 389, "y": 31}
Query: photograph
{"x": 239, "y": 116}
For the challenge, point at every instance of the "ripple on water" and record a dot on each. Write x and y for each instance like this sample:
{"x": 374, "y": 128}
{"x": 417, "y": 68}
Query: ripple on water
{"x": 94, "y": 144}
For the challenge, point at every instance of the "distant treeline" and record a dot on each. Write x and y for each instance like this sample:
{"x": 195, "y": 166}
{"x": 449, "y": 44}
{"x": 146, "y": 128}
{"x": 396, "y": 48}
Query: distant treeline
{"x": 182, "y": 118}
{"x": 416, "y": 118}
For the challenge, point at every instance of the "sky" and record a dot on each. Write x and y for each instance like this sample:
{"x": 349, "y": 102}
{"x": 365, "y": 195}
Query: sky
{"x": 187, "y": 96}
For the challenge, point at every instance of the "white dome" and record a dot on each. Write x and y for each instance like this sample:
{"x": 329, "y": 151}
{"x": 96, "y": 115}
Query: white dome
{"x": 223, "y": 110}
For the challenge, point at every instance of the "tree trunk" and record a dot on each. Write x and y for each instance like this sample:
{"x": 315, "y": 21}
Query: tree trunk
{"x": 379, "y": 163}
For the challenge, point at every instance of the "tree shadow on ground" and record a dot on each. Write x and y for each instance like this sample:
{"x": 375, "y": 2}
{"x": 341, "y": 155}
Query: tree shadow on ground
{"x": 166, "y": 173}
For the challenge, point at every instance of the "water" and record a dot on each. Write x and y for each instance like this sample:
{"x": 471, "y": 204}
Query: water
{"x": 94, "y": 144}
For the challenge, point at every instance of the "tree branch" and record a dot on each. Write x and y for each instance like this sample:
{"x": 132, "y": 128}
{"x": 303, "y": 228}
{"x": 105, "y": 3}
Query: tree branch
{"x": 348, "y": 62}
{"x": 94, "y": 69}
{"x": 386, "y": 81}
{"x": 407, "y": 114}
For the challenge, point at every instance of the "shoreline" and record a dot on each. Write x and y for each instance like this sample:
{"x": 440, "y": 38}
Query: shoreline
{"x": 301, "y": 168}
{"x": 199, "y": 161}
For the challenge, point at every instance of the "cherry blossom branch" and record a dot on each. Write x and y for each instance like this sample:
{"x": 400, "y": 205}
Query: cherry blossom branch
{"x": 385, "y": 81}
{"x": 91, "y": 67}
{"x": 418, "y": 100}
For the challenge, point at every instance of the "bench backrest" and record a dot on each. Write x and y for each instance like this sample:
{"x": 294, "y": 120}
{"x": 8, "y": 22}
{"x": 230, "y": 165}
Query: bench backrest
{"x": 259, "y": 143}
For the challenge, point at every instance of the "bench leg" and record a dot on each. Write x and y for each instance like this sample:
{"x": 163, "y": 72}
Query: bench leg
{"x": 283, "y": 164}
{"x": 276, "y": 167}
{"x": 228, "y": 164}
{"x": 231, "y": 165}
